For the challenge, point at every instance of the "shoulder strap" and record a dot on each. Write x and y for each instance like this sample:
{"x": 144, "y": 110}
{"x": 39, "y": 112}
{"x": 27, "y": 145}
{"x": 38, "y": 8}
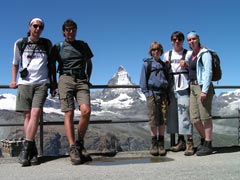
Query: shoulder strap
{"x": 169, "y": 55}
{"x": 148, "y": 71}
{"x": 165, "y": 68}
{"x": 22, "y": 45}
{"x": 184, "y": 54}
{"x": 44, "y": 42}
{"x": 84, "y": 49}
{"x": 60, "y": 46}
{"x": 200, "y": 60}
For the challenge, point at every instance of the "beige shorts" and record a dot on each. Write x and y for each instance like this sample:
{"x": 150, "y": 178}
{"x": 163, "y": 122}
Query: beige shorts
{"x": 200, "y": 110}
{"x": 71, "y": 89}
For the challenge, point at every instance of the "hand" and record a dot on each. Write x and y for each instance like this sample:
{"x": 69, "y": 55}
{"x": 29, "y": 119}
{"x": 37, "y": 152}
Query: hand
{"x": 13, "y": 85}
{"x": 53, "y": 92}
{"x": 183, "y": 63}
{"x": 203, "y": 96}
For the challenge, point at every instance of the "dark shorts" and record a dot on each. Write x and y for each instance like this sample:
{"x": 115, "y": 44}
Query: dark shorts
{"x": 31, "y": 96}
{"x": 71, "y": 89}
{"x": 157, "y": 110}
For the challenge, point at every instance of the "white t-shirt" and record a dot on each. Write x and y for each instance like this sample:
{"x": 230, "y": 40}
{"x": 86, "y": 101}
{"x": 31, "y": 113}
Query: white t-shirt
{"x": 35, "y": 59}
{"x": 181, "y": 81}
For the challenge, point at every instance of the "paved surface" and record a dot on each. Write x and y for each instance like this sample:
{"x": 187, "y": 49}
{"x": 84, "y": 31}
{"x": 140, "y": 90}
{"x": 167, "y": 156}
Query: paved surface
{"x": 223, "y": 164}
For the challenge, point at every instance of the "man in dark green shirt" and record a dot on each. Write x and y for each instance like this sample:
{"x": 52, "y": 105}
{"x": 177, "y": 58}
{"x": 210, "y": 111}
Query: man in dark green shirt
{"x": 75, "y": 68}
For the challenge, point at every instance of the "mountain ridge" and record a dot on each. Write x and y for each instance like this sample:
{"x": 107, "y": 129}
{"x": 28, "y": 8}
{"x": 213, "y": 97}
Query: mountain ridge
{"x": 113, "y": 104}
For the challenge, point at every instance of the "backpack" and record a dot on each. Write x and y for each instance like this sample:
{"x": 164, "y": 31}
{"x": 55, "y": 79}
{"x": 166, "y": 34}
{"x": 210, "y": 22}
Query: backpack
{"x": 166, "y": 71}
{"x": 216, "y": 66}
{"x": 24, "y": 42}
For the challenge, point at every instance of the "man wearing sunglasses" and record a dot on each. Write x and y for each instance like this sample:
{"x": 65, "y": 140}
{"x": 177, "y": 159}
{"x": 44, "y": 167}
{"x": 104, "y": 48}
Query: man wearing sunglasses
{"x": 75, "y": 68}
{"x": 178, "y": 113}
{"x": 31, "y": 61}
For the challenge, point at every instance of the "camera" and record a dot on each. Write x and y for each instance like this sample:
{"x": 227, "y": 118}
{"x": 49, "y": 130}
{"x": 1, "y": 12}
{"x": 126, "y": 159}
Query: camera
{"x": 23, "y": 72}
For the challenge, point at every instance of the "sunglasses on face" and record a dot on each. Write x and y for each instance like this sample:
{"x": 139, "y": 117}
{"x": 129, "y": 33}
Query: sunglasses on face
{"x": 37, "y": 26}
{"x": 71, "y": 29}
{"x": 156, "y": 49}
{"x": 175, "y": 39}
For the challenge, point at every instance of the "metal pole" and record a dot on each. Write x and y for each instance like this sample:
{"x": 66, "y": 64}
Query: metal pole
{"x": 238, "y": 127}
{"x": 41, "y": 133}
{"x": 172, "y": 139}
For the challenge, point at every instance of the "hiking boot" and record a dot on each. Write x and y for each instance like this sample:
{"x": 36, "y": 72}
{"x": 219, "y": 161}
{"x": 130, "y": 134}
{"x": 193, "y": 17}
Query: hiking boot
{"x": 181, "y": 146}
{"x": 154, "y": 147}
{"x": 24, "y": 156}
{"x": 83, "y": 152}
{"x": 201, "y": 144}
{"x": 34, "y": 155}
{"x": 206, "y": 149}
{"x": 75, "y": 155}
{"x": 189, "y": 149}
{"x": 161, "y": 150}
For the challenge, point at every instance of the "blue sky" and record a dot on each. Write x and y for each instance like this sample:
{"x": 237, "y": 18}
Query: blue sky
{"x": 120, "y": 32}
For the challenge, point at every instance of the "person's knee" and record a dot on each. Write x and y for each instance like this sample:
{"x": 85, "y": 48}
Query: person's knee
{"x": 85, "y": 110}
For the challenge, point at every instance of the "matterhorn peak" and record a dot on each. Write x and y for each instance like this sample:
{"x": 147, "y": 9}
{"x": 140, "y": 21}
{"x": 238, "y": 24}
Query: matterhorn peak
{"x": 121, "y": 68}
{"x": 121, "y": 77}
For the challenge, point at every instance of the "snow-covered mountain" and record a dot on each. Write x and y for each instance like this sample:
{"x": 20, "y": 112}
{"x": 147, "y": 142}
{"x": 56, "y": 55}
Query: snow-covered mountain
{"x": 126, "y": 102}
{"x": 227, "y": 103}
{"x": 113, "y": 104}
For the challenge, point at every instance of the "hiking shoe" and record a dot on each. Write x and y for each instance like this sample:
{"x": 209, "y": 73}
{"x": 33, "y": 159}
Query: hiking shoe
{"x": 161, "y": 150}
{"x": 201, "y": 144}
{"x": 206, "y": 149}
{"x": 34, "y": 155}
{"x": 75, "y": 155}
{"x": 83, "y": 152}
{"x": 24, "y": 156}
{"x": 189, "y": 149}
{"x": 154, "y": 147}
{"x": 181, "y": 146}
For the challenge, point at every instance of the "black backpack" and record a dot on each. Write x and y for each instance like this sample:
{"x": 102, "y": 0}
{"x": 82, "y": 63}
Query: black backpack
{"x": 216, "y": 66}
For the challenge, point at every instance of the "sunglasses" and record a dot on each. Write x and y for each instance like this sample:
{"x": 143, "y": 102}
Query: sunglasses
{"x": 37, "y": 26}
{"x": 175, "y": 39}
{"x": 156, "y": 49}
{"x": 71, "y": 29}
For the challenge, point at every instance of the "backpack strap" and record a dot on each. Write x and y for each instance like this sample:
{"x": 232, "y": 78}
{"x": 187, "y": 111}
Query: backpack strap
{"x": 184, "y": 54}
{"x": 200, "y": 59}
{"x": 148, "y": 70}
{"x": 60, "y": 47}
{"x": 169, "y": 55}
{"x": 44, "y": 42}
{"x": 22, "y": 45}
